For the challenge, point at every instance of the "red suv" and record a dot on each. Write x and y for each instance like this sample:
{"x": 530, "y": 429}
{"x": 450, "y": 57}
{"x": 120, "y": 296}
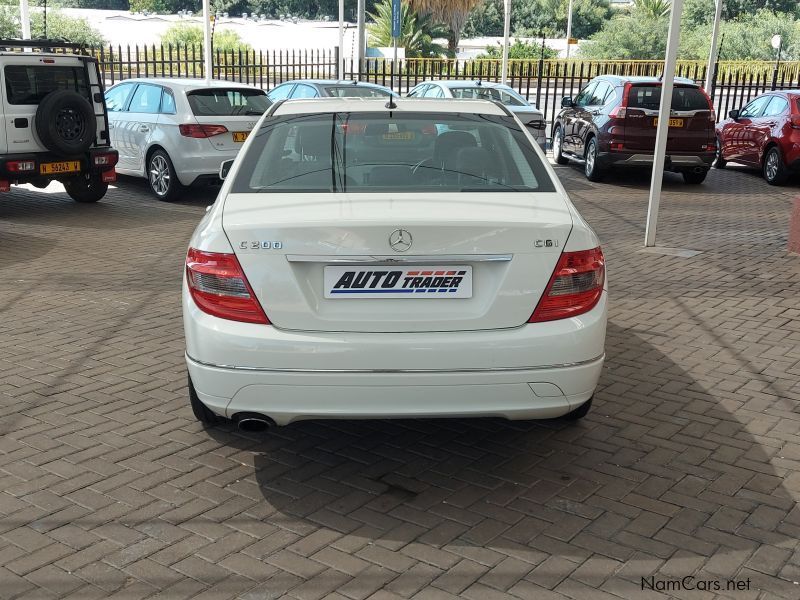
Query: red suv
{"x": 613, "y": 121}
{"x": 764, "y": 134}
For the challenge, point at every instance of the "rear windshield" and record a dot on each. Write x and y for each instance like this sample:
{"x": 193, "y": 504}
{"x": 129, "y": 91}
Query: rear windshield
{"x": 356, "y": 91}
{"x": 683, "y": 98}
{"x": 222, "y": 102}
{"x": 391, "y": 152}
{"x": 30, "y": 84}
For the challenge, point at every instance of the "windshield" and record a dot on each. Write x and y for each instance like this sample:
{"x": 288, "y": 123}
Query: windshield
{"x": 391, "y": 152}
{"x": 223, "y": 102}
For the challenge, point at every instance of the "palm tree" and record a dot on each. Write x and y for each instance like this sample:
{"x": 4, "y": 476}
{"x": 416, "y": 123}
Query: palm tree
{"x": 417, "y": 31}
{"x": 654, "y": 9}
{"x": 453, "y": 13}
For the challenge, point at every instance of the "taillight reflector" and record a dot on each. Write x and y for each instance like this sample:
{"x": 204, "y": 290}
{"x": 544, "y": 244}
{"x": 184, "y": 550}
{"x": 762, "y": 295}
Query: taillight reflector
{"x": 218, "y": 287}
{"x": 198, "y": 130}
{"x": 105, "y": 159}
{"x": 20, "y": 166}
{"x": 5, "y": 186}
{"x": 618, "y": 112}
{"x": 574, "y": 288}
{"x": 795, "y": 122}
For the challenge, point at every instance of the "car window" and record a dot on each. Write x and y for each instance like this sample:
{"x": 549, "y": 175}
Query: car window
{"x": 683, "y": 98}
{"x": 610, "y": 95}
{"x": 304, "y": 91}
{"x": 227, "y": 102}
{"x": 117, "y": 97}
{"x": 356, "y": 91}
{"x": 755, "y": 108}
{"x": 392, "y": 151}
{"x": 29, "y": 84}
{"x": 418, "y": 91}
{"x": 433, "y": 91}
{"x": 481, "y": 93}
{"x": 281, "y": 92}
{"x": 510, "y": 99}
{"x": 599, "y": 94}
{"x": 167, "y": 103}
{"x": 586, "y": 94}
{"x": 777, "y": 106}
{"x": 146, "y": 99}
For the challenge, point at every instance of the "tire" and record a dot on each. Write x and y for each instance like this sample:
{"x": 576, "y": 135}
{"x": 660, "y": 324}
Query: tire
{"x": 201, "y": 412}
{"x": 162, "y": 177}
{"x": 693, "y": 178}
{"x": 579, "y": 412}
{"x": 773, "y": 169}
{"x": 86, "y": 189}
{"x": 558, "y": 143}
{"x": 719, "y": 162}
{"x": 591, "y": 169}
{"x": 65, "y": 123}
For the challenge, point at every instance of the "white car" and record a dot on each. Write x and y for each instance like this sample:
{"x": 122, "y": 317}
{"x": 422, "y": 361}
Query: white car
{"x": 374, "y": 260}
{"x": 175, "y": 132}
{"x": 527, "y": 112}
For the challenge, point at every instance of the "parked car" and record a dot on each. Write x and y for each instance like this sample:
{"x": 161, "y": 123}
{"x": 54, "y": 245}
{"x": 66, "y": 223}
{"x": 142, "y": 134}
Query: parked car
{"x": 764, "y": 134}
{"x": 367, "y": 263}
{"x": 175, "y": 132}
{"x": 54, "y": 120}
{"x": 612, "y": 122}
{"x": 527, "y": 112}
{"x": 328, "y": 88}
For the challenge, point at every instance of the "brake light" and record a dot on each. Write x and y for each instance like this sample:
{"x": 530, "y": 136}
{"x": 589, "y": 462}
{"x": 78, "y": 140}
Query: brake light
{"x": 20, "y": 166}
{"x": 218, "y": 287}
{"x": 618, "y": 112}
{"x": 5, "y": 186}
{"x": 198, "y": 130}
{"x": 574, "y": 288}
{"x": 713, "y": 115}
{"x": 795, "y": 122}
{"x": 108, "y": 176}
{"x": 105, "y": 159}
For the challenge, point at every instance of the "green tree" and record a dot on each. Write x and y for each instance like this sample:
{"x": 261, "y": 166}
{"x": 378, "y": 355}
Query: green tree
{"x": 630, "y": 37}
{"x": 653, "y": 9}
{"x": 184, "y": 34}
{"x": 59, "y": 26}
{"x": 749, "y": 36}
{"x": 519, "y": 50}
{"x": 417, "y": 31}
{"x": 453, "y": 13}
{"x": 485, "y": 20}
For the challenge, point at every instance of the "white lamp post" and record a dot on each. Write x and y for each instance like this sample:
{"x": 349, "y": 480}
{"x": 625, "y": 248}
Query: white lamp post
{"x": 712, "y": 53}
{"x": 208, "y": 62}
{"x": 25, "y": 19}
{"x": 506, "y": 33}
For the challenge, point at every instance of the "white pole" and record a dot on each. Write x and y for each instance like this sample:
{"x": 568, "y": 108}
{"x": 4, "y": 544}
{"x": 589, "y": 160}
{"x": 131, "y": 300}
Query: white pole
{"x": 662, "y": 131}
{"x": 208, "y": 63}
{"x": 712, "y": 53}
{"x": 25, "y": 19}
{"x": 362, "y": 33}
{"x": 506, "y": 32}
{"x": 341, "y": 39}
{"x": 569, "y": 25}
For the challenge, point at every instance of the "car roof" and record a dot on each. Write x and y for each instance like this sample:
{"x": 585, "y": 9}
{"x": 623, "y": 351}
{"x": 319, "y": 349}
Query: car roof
{"x": 337, "y": 82}
{"x": 465, "y": 83}
{"x": 621, "y": 79}
{"x": 189, "y": 84}
{"x": 407, "y": 105}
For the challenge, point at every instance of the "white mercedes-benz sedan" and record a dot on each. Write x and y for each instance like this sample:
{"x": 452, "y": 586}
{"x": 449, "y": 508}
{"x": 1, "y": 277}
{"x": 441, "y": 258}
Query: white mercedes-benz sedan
{"x": 374, "y": 259}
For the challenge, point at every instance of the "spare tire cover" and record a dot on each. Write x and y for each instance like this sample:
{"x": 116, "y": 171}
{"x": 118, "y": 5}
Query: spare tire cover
{"x": 65, "y": 123}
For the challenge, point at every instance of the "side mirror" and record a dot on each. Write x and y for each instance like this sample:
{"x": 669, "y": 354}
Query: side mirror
{"x": 567, "y": 102}
{"x": 225, "y": 168}
{"x": 734, "y": 114}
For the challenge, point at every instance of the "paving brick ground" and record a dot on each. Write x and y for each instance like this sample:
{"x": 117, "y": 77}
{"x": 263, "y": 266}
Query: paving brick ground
{"x": 689, "y": 464}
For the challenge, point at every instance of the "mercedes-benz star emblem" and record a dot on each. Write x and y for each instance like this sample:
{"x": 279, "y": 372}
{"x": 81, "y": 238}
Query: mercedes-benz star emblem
{"x": 400, "y": 240}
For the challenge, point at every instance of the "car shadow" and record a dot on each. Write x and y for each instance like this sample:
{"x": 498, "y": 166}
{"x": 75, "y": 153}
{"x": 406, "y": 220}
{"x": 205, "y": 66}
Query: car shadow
{"x": 661, "y": 474}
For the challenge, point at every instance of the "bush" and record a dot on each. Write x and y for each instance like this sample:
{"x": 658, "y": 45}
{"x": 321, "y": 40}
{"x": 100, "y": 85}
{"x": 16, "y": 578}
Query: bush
{"x": 59, "y": 26}
{"x": 519, "y": 50}
{"x": 224, "y": 40}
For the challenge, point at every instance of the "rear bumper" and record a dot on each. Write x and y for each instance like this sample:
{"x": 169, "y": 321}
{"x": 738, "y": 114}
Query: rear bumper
{"x": 539, "y": 370}
{"x": 199, "y": 161}
{"x": 672, "y": 162}
{"x": 40, "y": 158}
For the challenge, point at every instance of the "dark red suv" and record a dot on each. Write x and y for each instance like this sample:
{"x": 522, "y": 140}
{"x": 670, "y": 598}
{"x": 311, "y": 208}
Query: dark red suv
{"x": 612, "y": 122}
{"x": 764, "y": 134}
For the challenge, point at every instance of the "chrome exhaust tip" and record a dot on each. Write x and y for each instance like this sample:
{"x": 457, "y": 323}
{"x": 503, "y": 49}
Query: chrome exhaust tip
{"x": 253, "y": 422}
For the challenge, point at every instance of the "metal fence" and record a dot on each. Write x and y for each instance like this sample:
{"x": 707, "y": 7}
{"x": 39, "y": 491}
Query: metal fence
{"x": 543, "y": 82}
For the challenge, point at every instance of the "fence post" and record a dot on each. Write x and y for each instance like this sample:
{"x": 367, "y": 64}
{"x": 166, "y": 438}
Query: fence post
{"x": 714, "y": 75}
{"x": 539, "y": 77}
{"x": 338, "y": 64}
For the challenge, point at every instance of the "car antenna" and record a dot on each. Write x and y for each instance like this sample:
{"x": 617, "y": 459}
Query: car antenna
{"x": 478, "y": 82}
{"x": 661, "y": 76}
{"x": 390, "y": 104}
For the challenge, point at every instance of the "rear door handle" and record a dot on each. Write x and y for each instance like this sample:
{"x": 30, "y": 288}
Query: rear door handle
{"x": 144, "y": 129}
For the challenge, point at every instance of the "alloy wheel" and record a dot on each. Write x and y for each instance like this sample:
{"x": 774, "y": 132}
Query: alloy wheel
{"x": 557, "y": 143}
{"x": 771, "y": 168}
{"x": 590, "y": 158}
{"x": 159, "y": 175}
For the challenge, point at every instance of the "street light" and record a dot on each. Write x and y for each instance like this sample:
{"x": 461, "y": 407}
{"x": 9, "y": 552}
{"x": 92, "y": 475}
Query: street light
{"x": 777, "y": 43}
{"x": 569, "y": 26}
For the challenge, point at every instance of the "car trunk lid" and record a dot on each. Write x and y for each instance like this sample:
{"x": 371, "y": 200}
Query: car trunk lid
{"x": 226, "y": 114}
{"x": 502, "y": 246}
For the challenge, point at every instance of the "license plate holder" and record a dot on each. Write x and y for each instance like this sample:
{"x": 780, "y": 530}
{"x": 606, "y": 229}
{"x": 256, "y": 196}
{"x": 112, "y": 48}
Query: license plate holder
{"x": 393, "y": 281}
{"x": 672, "y": 122}
{"x": 56, "y": 168}
{"x": 240, "y": 136}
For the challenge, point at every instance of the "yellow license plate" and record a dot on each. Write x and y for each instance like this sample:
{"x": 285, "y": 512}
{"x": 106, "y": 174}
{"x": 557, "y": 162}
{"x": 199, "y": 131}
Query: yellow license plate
{"x": 240, "y": 136}
{"x": 67, "y": 166}
{"x": 399, "y": 135}
{"x": 672, "y": 122}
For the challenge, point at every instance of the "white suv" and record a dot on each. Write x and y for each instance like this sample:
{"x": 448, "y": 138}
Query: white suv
{"x": 55, "y": 125}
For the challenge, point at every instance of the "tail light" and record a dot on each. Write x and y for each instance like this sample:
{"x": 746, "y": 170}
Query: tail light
{"x": 574, "y": 288}
{"x": 200, "y": 130}
{"x": 219, "y": 287}
{"x": 20, "y": 166}
{"x": 105, "y": 159}
{"x": 5, "y": 186}
{"x": 618, "y": 112}
{"x": 795, "y": 122}
{"x": 536, "y": 124}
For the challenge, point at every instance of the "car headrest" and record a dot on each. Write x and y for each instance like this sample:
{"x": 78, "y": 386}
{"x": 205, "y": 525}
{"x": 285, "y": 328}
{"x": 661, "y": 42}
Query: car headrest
{"x": 448, "y": 143}
{"x": 314, "y": 140}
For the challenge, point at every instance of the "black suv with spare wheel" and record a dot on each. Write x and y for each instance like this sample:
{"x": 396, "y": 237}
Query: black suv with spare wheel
{"x": 55, "y": 120}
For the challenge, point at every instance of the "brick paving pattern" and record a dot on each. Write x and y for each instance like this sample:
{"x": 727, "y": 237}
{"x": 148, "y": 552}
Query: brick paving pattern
{"x": 689, "y": 463}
